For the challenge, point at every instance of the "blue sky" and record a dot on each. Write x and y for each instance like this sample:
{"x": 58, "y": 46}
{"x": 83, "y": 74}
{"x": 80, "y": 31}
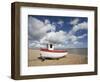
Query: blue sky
{"x": 65, "y": 32}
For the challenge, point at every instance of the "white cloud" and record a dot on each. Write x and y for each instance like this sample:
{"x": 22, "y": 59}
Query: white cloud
{"x": 76, "y": 42}
{"x": 60, "y": 22}
{"x": 74, "y": 38}
{"x": 62, "y": 40}
{"x": 79, "y": 26}
{"x": 82, "y": 25}
{"x": 60, "y": 46}
{"x": 47, "y": 21}
{"x": 54, "y": 37}
{"x": 82, "y": 36}
{"x": 36, "y": 45}
{"x": 38, "y": 29}
{"x": 74, "y": 22}
{"x": 39, "y": 35}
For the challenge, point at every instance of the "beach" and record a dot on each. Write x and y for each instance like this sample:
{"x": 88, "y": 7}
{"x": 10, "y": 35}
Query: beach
{"x": 74, "y": 56}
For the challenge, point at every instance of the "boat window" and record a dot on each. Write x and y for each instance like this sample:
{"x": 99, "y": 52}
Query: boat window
{"x": 50, "y": 45}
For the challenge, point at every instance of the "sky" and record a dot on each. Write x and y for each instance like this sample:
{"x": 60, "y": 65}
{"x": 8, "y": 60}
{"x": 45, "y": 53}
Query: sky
{"x": 63, "y": 32}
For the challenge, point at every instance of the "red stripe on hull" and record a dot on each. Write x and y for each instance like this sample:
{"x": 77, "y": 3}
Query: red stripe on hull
{"x": 57, "y": 51}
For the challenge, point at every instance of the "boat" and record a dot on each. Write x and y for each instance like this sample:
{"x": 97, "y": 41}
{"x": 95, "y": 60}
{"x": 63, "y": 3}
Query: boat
{"x": 50, "y": 52}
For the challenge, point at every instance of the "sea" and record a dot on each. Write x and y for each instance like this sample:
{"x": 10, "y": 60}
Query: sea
{"x": 79, "y": 51}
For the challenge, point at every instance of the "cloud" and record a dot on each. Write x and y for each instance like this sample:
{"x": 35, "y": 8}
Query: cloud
{"x": 73, "y": 41}
{"x": 47, "y": 21}
{"x": 42, "y": 32}
{"x": 64, "y": 40}
{"x": 60, "y": 22}
{"x": 37, "y": 28}
{"x": 54, "y": 37}
{"x": 36, "y": 45}
{"x": 80, "y": 26}
{"x": 74, "y": 22}
{"x": 34, "y": 28}
{"x": 73, "y": 38}
{"x": 82, "y": 36}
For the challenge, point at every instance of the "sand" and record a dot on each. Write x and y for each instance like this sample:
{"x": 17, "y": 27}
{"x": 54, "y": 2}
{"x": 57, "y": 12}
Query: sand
{"x": 33, "y": 59}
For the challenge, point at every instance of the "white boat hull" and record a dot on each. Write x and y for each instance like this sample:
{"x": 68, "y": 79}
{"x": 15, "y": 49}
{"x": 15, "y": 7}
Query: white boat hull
{"x": 45, "y": 54}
